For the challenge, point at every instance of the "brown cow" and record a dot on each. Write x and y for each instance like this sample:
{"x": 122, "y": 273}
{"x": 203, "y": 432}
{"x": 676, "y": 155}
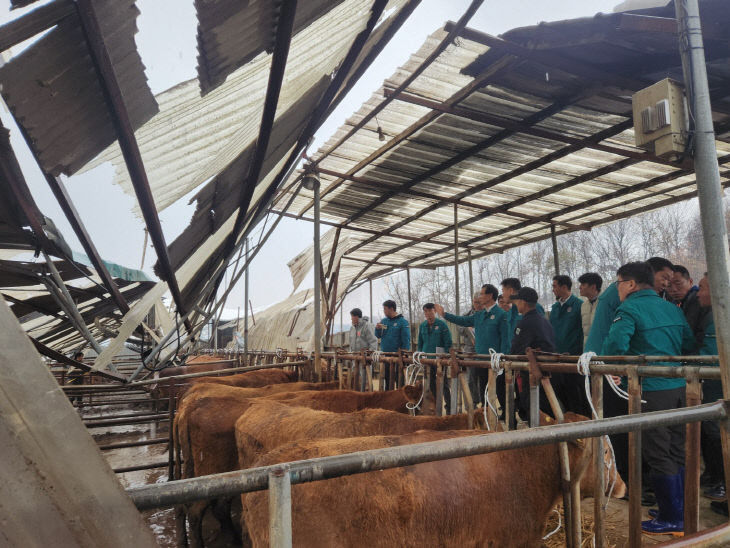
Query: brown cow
{"x": 496, "y": 499}
{"x": 267, "y": 424}
{"x": 251, "y": 379}
{"x": 205, "y": 427}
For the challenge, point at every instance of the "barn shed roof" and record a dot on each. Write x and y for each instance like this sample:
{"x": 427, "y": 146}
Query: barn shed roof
{"x": 509, "y": 138}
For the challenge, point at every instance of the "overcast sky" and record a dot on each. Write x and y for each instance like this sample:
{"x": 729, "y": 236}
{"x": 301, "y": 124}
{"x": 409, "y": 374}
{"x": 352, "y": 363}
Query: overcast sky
{"x": 167, "y": 43}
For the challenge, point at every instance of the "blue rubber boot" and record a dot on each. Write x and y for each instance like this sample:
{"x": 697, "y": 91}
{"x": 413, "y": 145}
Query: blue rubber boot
{"x": 654, "y": 512}
{"x": 669, "y": 491}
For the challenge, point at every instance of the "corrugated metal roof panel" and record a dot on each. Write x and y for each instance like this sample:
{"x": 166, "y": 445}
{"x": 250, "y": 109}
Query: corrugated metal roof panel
{"x": 233, "y": 32}
{"x": 562, "y": 155}
{"x": 52, "y": 88}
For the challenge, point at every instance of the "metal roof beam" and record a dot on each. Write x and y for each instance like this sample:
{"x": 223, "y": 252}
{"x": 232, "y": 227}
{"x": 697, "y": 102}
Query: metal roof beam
{"x": 530, "y": 166}
{"x": 332, "y": 98}
{"x": 611, "y": 219}
{"x": 468, "y": 153}
{"x": 521, "y": 127}
{"x": 612, "y": 196}
{"x": 128, "y": 143}
{"x": 500, "y": 63}
{"x": 411, "y": 192}
{"x": 279, "y": 57}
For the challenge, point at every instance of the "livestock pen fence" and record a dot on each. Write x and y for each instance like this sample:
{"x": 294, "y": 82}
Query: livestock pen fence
{"x": 279, "y": 478}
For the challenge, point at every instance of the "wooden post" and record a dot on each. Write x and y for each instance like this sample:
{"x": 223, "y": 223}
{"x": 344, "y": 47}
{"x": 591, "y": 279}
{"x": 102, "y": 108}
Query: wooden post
{"x": 439, "y": 389}
{"x": 634, "y": 462}
{"x": 599, "y": 525}
{"x": 454, "y": 382}
{"x": 468, "y": 402}
{"x": 510, "y": 422}
{"x": 571, "y": 490}
{"x": 692, "y": 458}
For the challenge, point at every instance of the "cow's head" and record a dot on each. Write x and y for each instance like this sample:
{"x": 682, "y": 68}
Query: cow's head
{"x": 413, "y": 392}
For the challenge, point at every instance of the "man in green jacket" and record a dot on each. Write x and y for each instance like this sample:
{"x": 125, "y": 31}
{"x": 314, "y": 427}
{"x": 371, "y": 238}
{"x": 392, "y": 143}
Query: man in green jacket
{"x": 608, "y": 302}
{"x": 434, "y": 336}
{"x": 645, "y": 324}
{"x": 491, "y": 329}
{"x": 567, "y": 322}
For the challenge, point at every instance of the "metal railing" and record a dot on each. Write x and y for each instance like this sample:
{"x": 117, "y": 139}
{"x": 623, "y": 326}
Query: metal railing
{"x": 538, "y": 366}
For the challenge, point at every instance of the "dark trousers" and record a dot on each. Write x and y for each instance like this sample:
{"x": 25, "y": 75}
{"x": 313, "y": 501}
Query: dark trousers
{"x": 388, "y": 384}
{"x": 710, "y": 442}
{"x": 663, "y": 448}
{"x": 571, "y": 391}
{"x": 481, "y": 379}
{"x": 501, "y": 390}
{"x": 447, "y": 388}
{"x": 523, "y": 399}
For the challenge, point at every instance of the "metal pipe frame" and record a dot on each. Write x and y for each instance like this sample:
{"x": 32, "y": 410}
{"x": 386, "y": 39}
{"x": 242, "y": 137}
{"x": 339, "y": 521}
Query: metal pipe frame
{"x": 709, "y": 189}
{"x": 257, "y": 479}
{"x": 216, "y": 373}
{"x": 317, "y": 285}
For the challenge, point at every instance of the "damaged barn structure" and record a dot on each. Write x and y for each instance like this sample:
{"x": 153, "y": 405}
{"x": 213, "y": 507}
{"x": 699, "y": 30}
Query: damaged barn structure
{"x": 476, "y": 145}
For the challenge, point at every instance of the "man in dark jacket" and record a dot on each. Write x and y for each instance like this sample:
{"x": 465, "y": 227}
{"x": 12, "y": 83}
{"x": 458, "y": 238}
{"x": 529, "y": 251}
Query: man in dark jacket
{"x": 532, "y": 331}
{"x": 684, "y": 294}
{"x": 394, "y": 333}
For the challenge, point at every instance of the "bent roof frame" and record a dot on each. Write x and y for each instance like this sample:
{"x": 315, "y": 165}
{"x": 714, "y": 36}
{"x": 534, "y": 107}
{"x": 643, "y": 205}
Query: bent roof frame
{"x": 521, "y": 135}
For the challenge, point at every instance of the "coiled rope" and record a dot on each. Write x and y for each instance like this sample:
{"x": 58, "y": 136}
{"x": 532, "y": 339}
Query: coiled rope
{"x": 584, "y": 362}
{"x": 495, "y": 362}
{"x": 412, "y": 371}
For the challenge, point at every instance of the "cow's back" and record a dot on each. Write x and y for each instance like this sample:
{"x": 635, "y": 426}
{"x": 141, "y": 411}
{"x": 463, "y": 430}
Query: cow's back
{"x": 497, "y": 499}
{"x": 267, "y": 424}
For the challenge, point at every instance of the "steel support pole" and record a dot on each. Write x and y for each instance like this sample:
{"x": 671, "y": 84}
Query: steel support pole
{"x": 280, "y": 508}
{"x": 245, "y": 306}
{"x": 370, "y": 283}
{"x": 410, "y": 308}
{"x": 634, "y": 463}
{"x": 471, "y": 279}
{"x": 599, "y": 488}
{"x": 692, "y": 460}
{"x": 709, "y": 191}
{"x": 456, "y": 259}
{"x": 554, "y": 239}
{"x": 317, "y": 287}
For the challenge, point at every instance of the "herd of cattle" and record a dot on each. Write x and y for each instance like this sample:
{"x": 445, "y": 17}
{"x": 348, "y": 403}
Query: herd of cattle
{"x": 266, "y": 417}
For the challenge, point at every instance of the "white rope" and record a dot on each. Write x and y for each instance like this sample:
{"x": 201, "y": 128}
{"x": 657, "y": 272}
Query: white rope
{"x": 584, "y": 368}
{"x": 375, "y": 357}
{"x": 412, "y": 372}
{"x": 279, "y": 353}
{"x": 495, "y": 358}
{"x": 560, "y": 524}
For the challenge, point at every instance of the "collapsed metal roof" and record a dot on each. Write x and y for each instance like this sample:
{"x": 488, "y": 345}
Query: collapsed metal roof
{"x": 507, "y": 139}
{"x": 80, "y": 97}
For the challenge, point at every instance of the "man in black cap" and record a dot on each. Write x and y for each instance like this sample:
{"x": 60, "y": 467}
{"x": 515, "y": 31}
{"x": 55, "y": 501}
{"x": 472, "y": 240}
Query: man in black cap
{"x": 532, "y": 331}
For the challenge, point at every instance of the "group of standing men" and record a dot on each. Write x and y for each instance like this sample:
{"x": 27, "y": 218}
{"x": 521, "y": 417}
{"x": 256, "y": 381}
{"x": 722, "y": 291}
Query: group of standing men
{"x": 653, "y": 308}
